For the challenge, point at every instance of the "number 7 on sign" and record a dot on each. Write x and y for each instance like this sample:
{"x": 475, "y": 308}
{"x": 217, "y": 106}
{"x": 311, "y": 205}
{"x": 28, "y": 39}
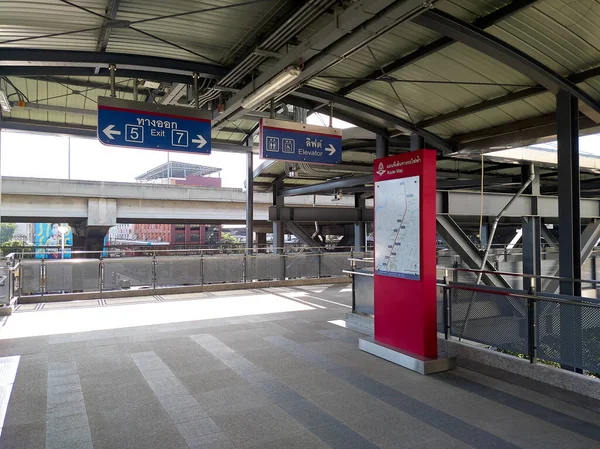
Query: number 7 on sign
{"x": 179, "y": 138}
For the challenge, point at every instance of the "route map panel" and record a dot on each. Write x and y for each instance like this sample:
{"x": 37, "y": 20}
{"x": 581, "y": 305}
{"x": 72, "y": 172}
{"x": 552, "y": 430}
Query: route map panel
{"x": 397, "y": 228}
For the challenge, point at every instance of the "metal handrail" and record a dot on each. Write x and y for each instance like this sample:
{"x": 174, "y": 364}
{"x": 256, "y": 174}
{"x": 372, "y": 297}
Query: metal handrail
{"x": 584, "y": 302}
{"x": 358, "y": 273}
{"x": 521, "y": 275}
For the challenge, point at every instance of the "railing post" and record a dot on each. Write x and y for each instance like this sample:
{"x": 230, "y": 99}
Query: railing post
{"x": 531, "y": 324}
{"x": 319, "y": 263}
{"x": 20, "y": 279}
{"x": 353, "y": 268}
{"x": 100, "y": 274}
{"x": 154, "y": 271}
{"x": 43, "y": 278}
{"x": 455, "y": 272}
{"x": 245, "y": 268}
{"x": 446, "y": 309}
{"x": 283, "y": 265}
{"x": 201, "y": 268}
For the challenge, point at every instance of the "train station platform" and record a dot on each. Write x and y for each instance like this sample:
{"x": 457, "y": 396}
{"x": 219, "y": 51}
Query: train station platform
{"x": 269, "y": 368}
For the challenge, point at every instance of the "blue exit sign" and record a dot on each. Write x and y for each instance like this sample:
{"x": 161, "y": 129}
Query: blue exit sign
{"x": 125, "y": 123}
{"x": 292, "y": 141}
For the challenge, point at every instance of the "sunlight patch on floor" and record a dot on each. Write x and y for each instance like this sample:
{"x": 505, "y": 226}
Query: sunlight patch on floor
{"x": 63, "y": 321}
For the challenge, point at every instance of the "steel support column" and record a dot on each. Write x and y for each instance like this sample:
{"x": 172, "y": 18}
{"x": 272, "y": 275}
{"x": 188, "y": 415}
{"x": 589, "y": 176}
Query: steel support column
{"x": 249, "y": 204}
{"x": 531, "y": 235}
{"x": 359, "y": 226}
{"x": 261, "y": 242}
{"x": 278, "y": 233}
{"x": 569, "y": 197}
{"x": 532, "y": 258}
{"x": 589, "y": 237}
{"x": 569, "y": 220}
{"x": 382, "y": 146}
{"x": 417, "y": 142}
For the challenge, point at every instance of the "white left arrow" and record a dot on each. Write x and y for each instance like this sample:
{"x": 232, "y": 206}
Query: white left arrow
{"x": 201, "y": 141}
{"x": 331, "y": 149}
{"x": 110, "y": 132}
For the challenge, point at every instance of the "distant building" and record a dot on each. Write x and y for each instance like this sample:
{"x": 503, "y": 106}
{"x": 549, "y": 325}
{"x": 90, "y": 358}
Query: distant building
{"x": 180, "y": 173}
{"x": 121, "y": 232}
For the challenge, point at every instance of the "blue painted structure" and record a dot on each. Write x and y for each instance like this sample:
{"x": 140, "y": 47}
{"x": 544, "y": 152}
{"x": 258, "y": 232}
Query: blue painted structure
{"x": 290, "y": 141}
{"x": 125, "y": 123}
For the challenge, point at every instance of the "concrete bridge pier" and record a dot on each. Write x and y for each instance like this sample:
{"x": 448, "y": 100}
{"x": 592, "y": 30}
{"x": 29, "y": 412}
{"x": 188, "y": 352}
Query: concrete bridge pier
{"x": 102, "y": 214}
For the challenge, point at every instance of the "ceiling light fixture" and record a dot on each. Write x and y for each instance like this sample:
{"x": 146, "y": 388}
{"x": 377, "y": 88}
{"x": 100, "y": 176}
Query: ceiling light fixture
{"x": 4, "y": 103}
{"x": 276, "y": 84}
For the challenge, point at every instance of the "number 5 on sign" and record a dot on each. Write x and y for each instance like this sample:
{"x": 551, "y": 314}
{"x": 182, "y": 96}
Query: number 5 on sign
{"x": 179, "y": 138}
{"x": 134, "y": 133}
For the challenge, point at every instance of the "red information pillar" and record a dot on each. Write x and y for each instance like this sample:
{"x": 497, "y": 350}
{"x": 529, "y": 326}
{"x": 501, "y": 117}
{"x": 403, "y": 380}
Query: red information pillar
{"x": 405, "y": 252}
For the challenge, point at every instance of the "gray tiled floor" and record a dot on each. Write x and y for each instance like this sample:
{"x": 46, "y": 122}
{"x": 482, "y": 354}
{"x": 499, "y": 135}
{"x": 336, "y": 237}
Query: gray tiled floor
{"x": 288, "y": 380}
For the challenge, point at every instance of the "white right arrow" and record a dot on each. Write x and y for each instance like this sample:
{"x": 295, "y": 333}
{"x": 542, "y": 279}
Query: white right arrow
{"x": 201, "y": 141}
{"x": 331, "y": 149}
{"x": 110, "y": 132}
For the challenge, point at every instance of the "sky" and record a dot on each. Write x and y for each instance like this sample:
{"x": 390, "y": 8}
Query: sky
{"x": 34, "y": 155}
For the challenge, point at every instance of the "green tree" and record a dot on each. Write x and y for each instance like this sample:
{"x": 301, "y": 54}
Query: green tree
{"x": 227, "y": 238}
{"x": 15, "y": 246}
{"x": 7, "y": 230}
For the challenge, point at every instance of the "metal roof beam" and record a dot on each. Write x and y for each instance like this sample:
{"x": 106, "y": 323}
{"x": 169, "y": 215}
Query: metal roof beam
{"x": 48, "y": 127}
{"x": 505, "y": 99}
{"x": 329, "y": 186}
{"x": 345, "y": 116}
{"x": 426, "y": 50}
{"x": 81, "y": 83}
{"x": 478, "y": 39}
{"x": 351, "y": 29}
{"x": 24, "y": 61}
{"x": 177, "y": 91}
{"x": 522, "y": 133}
{"x": 367, "y": 112}
{"x": 111, "y": 13}
{"x": 90, "y": 131}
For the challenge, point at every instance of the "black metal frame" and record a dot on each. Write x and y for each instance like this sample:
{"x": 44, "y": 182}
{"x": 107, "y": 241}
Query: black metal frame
{"x": 572, "y": 327}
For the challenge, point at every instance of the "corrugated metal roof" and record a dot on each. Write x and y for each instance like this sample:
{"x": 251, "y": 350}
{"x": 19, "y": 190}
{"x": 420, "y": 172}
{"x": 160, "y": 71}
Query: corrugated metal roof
{"x": 562, "y": 34}
{"x": 211, "y": 33}
{"x": 26, "y": 19}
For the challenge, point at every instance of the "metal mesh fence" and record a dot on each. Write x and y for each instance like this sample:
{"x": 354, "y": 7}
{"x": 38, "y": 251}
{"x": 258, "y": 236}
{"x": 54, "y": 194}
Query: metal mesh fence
{"x": 440, "y": 309}
{"x": 334, "y": 264}
{"x": 59, "y": 277}
{"x": 265, "y": 267}
{"x": 219, "y": 269}
{"x": 490, "y": 318}
{"x": 85, "y": 275}
{"x": 302, "y": 265}
{"x": 125, "y": 273}
{"x": 172, "y": 271}
{"x": 569, "y": 334}
{"x": 30, "y": 278}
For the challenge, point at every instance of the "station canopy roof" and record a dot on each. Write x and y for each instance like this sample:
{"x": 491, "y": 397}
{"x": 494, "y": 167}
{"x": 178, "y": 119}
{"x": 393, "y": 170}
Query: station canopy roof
{"x": 175, "y": 169}
{"x": 468, "y": 76}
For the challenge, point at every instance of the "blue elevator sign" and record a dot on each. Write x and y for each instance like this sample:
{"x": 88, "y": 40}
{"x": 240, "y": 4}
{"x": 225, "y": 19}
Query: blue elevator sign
{"x": 126, "y": 123}
{"x": 291, "y": 141}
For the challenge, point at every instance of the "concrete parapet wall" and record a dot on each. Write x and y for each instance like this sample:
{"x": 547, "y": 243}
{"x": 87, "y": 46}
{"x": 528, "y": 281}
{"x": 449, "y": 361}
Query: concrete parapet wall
{"x": 573, "y": 382}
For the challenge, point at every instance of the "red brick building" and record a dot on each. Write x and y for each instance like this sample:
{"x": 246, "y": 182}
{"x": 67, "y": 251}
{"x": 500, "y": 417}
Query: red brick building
{"x": 180, "y": 173}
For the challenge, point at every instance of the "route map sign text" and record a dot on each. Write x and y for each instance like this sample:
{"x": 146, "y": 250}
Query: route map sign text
{"x": 126, "y": 123}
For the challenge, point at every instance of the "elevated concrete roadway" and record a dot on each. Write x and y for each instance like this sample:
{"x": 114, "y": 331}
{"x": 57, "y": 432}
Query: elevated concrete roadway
{"x": 108, "y": 203}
